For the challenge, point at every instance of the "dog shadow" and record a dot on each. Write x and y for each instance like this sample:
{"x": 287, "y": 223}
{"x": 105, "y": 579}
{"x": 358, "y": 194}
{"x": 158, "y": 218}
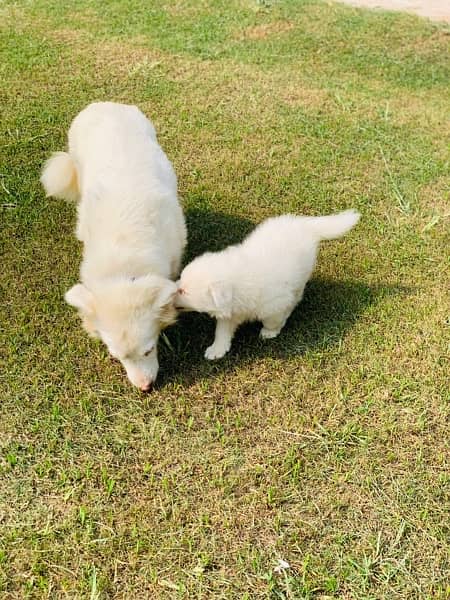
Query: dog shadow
{"x": 329, "y": 309}
{"x": 210, "y": 231}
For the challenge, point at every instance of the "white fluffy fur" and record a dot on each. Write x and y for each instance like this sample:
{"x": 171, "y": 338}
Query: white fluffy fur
{"x": 132, "y": 228}
{"x": 262, "y": 278}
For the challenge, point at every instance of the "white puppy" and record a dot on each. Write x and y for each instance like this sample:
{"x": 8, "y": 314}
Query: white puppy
{"x": 262, "y": 278}
{"x": 132, "y": 228}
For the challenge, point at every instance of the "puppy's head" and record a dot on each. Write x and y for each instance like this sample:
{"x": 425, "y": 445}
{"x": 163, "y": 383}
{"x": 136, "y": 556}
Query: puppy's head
{"x": 128, "y": 315}
{"x": 201, "y": 291}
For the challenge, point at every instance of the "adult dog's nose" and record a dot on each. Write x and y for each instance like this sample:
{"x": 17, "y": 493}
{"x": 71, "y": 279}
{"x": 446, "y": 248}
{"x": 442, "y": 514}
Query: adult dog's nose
{"x": 147, "y": 387}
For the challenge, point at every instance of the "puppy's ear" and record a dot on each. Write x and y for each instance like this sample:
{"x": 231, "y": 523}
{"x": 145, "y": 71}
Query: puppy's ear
{"x": 166, "y": 303}
{"x": 222, "y": 296}
{"x": 81, "y": 298}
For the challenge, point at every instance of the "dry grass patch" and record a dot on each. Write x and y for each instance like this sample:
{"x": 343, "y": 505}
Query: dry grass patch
{"x": 296, "y": 95}
{"x": 108, "y": 56}
{"x": 127, "y": 59}
{"x": 265, "y": 30}
{"x": 70, "y": 37}
{"x": 422, "y": 110}
{"x": 435, "y": 197}
{"x": 183, "y": 9}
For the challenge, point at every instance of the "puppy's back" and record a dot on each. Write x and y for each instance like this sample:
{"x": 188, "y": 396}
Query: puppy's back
{"x": 279, "y": 236}
{"x": 285, "y": 248}
{"x": 289, "y": 232}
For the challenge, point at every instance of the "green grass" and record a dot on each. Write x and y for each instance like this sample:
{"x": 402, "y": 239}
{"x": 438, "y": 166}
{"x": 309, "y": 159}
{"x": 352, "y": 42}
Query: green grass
{"x": 327, "y": 447}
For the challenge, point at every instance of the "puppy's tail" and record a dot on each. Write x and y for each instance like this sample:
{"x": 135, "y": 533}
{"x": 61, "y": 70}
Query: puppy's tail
{"x": 334, "y": 226}
{"x": 59, "y": 177}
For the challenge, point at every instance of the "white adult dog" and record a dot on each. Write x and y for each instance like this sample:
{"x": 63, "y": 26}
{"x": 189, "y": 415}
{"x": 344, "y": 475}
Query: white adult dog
{"x": 261, "y": 279}
{"x": 132, "y": 228}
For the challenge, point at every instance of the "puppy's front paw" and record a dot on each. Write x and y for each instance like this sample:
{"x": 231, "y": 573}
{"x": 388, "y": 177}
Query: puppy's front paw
{"x": 214, "y": 352}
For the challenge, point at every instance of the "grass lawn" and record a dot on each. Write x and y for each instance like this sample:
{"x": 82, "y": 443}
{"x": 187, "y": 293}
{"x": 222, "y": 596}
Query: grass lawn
{"x": 328, "y": 447}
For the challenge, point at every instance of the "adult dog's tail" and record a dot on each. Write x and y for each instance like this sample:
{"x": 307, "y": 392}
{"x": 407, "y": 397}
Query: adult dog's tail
{"x": 59, "y": 177}
{"x": 333, "y": 226}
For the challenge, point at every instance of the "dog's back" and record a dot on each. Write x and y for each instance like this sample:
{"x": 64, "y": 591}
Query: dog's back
{"x": 126, "y": 188}
{"x": 116, "y": 143}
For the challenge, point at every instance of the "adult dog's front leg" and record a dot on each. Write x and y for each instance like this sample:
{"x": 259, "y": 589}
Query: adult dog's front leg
{"x": 225, "y": 329}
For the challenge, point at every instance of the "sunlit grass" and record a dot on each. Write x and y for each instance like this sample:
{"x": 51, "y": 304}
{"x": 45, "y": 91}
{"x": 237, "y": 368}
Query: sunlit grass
{"x": 326, "y": 448}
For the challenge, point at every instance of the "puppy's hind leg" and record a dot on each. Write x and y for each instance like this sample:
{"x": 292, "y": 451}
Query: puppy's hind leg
{"x": 225, "y": 329}
{"x": 274, "y": 324}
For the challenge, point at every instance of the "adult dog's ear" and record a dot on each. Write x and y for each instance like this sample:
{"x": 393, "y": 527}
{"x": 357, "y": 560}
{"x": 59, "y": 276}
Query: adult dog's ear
{"x": 166, "y": 303}
{"x": 157, "y": 292}
{"x": 222, "y": 296}
{"x": 81, "y": 298}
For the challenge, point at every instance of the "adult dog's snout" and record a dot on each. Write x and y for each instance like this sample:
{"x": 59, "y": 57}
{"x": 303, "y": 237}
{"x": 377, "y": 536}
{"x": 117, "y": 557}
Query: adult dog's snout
{"x": 147, "y": 387}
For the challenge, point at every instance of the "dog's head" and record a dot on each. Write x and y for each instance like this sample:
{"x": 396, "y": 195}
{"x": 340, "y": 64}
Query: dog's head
{"x": 201, "y": 291}
{"x": 128, "y": 315}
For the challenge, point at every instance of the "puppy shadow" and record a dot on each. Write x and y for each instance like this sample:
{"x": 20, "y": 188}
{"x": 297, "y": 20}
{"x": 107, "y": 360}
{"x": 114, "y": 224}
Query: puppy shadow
{"x": 327, "y": 312}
